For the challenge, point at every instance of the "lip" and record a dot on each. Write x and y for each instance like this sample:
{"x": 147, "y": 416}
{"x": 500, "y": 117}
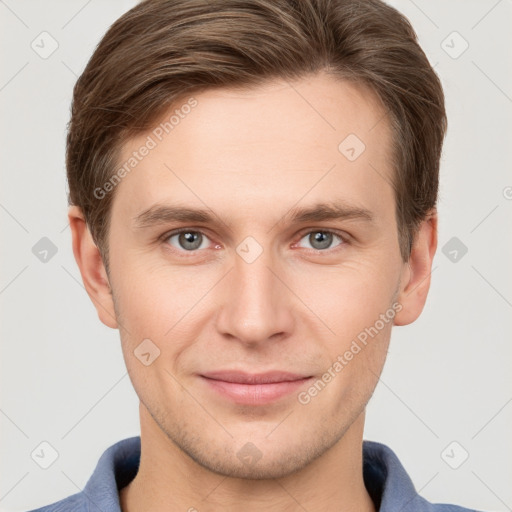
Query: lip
{"x": 254, "y": 389}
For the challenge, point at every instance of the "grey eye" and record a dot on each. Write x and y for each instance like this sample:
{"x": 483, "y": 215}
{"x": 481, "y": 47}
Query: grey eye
{"x": 189, "y": 240}
{"x": 320, "y": 240}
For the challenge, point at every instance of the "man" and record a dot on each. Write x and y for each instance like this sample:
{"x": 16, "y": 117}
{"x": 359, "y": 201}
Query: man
{"x": 253, "y": 205}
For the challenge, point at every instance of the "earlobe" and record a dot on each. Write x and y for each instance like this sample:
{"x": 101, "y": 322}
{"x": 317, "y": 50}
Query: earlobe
{"x": 416, "y": 272}
{"x": 92, "y": 270}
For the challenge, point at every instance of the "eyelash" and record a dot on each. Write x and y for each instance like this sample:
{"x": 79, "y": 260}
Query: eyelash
{"x": 342, "y": 236}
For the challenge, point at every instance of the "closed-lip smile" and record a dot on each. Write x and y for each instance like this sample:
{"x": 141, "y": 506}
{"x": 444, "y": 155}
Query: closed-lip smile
{"x": 254, "y": 388}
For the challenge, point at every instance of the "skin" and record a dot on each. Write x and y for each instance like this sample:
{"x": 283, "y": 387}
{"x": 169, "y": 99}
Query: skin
{"x": 250, "y": 157}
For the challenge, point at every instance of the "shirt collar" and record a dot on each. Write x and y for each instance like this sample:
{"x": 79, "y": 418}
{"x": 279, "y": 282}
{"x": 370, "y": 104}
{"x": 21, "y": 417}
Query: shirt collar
{"x": 387, "y": 482}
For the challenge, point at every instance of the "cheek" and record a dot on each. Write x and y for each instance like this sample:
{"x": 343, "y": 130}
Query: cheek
{"x": 153, "y": 298}
{"x": 154, "y": 313}
{"x": 349, "y": 379}
{"x": 348, "y": 298}
{"x": 165, "y": 305}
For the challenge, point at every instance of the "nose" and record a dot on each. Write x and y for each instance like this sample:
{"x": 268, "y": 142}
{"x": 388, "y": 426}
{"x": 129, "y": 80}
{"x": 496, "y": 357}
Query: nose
{"x": 255, "y": 306}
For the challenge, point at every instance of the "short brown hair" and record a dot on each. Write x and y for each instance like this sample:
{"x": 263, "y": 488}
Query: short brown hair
{"x": 162, "y": 50}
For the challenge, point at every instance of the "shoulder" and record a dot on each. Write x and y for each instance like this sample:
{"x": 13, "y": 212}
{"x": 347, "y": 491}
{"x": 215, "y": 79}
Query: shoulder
{"x": 116, "y": 467}
{"x": 445, "y": 507}
{"x": 390, "y": 486}
{"x": 73, "y": 503}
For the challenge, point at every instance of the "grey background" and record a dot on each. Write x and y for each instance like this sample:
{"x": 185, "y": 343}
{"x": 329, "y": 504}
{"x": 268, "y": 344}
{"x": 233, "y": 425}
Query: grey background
{"x": 447, "y": 377}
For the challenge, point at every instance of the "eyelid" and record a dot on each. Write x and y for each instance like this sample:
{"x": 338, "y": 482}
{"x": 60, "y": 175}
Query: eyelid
{"x": 342, "y": 234}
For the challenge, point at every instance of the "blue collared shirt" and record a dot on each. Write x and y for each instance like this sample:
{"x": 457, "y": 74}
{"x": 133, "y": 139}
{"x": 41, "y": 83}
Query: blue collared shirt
{"x": 385, "y": 478}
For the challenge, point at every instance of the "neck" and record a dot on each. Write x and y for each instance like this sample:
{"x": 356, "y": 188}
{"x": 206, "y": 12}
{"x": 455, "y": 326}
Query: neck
{"x": 168, "y": 480}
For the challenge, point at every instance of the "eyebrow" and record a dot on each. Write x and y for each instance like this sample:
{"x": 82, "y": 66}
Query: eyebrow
{"x": 162, "y": 214}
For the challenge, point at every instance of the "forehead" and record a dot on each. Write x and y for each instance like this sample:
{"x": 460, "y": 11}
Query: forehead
{"x": 263, "y": 146}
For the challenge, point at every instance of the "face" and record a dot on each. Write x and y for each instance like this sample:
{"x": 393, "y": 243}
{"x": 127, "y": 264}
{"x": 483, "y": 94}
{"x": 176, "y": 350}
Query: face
{"x": 266, "y": 279}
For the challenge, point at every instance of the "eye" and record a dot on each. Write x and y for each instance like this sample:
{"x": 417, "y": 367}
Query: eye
{"x": 187, "y": 240}
{"x": 320, "y": 240}
{"x": 190, "y": 240}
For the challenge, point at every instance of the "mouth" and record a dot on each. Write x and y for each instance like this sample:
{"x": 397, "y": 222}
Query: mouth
{"x": 254, "y": 389}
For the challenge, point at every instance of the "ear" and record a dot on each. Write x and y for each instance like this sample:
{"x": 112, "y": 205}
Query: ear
{"x": 415, "y": 279}
{"x": 94, "y": 275}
